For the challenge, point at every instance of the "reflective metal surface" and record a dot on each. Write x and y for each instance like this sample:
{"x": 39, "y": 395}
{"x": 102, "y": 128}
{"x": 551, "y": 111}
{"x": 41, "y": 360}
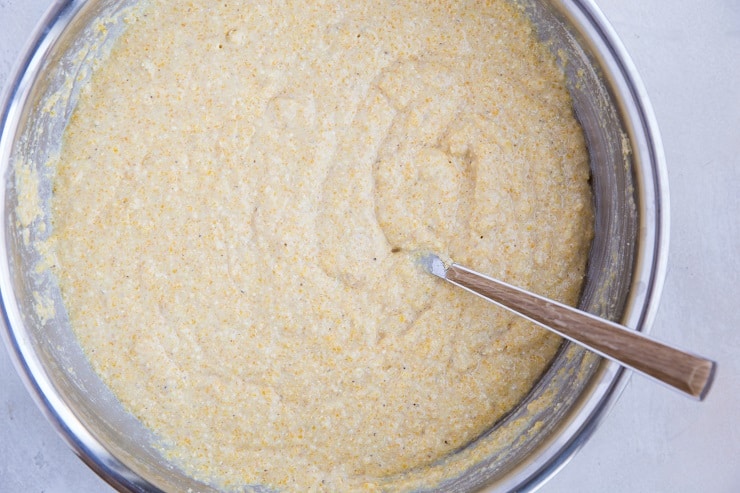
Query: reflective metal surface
{"x": 625, "y": 274}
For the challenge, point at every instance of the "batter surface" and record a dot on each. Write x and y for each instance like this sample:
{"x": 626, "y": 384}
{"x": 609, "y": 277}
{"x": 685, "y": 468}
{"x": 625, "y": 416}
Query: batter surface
{"x": 240, "y": 197}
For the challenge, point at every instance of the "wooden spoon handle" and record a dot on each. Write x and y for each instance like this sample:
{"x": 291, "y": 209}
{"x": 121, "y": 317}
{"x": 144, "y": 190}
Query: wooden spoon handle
{"x": 683, "y": 371}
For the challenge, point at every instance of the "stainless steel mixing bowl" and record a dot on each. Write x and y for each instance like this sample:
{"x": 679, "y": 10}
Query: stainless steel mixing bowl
{"x": 624, "y": 281}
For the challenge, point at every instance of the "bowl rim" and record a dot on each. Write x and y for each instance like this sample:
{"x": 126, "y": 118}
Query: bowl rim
{"x": 640, "y": 310}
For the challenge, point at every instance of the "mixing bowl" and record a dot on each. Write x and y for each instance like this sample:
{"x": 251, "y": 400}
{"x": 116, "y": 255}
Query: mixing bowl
{"x": 624, "y": 278}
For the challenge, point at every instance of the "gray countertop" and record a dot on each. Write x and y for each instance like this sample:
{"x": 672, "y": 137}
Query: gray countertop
{"x": 653, "y": 440}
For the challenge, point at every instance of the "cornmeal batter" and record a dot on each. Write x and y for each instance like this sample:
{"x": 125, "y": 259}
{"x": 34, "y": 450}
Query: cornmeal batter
{"x": 239, "y": 202}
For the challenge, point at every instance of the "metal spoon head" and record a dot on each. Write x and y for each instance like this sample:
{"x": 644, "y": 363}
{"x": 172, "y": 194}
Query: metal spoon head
{"x": 433, "y": 264}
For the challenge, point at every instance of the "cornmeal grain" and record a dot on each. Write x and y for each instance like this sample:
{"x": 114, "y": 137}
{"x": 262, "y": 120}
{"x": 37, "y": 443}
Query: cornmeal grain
{"x": 240, "y": 197}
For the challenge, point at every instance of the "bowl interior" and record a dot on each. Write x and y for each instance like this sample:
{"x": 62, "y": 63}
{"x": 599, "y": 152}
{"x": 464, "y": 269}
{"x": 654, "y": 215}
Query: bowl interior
{"x": 521, "y": 449}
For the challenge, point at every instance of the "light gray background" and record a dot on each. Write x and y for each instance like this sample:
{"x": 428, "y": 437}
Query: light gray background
{"x": 653, "y": 440}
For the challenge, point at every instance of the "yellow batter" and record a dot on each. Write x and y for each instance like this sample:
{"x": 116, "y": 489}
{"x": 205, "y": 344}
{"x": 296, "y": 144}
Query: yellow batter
{"x": 240, "y": 197}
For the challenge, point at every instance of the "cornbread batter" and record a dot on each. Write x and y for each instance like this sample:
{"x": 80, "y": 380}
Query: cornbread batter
{"x": 242, "y": 193}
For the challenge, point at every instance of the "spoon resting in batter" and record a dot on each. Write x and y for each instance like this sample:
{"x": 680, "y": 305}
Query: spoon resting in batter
{"x": 678, "y": 369}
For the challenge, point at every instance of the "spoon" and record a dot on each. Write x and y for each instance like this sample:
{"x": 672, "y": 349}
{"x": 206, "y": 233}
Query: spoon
{"x": 678, "y": 369}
